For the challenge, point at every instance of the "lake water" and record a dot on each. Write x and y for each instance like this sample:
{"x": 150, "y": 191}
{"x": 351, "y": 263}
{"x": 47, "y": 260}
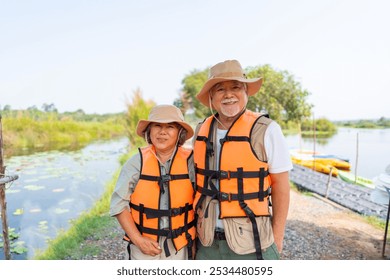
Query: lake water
{"x": 373, "y": 148}
{"x": 55, "y": 187}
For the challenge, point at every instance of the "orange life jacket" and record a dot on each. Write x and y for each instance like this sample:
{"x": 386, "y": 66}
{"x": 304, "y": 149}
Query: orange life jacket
{"x": 242, "y": 177}
{"x": 145, "y": 200}
{"x": 244, "y": 181}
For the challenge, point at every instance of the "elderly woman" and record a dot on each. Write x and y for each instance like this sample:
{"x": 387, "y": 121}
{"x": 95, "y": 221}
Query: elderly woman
{"x": 153, "y": 197}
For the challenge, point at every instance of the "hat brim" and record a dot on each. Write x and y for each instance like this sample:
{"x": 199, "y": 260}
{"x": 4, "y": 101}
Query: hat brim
{"x": 253, "y": 86}
{"x": 143, "y": 124}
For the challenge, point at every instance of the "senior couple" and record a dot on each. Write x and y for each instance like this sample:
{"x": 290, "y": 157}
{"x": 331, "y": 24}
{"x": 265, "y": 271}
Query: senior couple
{"x": 212, "y": 202}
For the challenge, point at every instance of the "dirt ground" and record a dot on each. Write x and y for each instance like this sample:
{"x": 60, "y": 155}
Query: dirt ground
{"x": 320, "y": 229}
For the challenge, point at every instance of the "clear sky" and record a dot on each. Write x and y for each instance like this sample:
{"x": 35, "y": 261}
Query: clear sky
{"x": 92, "y": 55}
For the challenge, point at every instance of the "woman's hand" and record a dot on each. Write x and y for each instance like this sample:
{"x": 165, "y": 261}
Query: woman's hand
{"x": 147, "y": 245}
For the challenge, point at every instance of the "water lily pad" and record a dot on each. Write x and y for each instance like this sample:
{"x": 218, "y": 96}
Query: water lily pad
{"x": 18, "y": 247}
{"x": 31, "y": 180}
{"x": 9, "y": 191}
{"x": 43, "y": 226}
{"x": 35, "y": 210}
{"x": 18, "y": 212}
{"x": 61, "y": 210}
{"x": 68, "y": 200}
{"x": 34, "y": 187}
{"x": 12, "y": 234}
{"x": 58, "y": 190}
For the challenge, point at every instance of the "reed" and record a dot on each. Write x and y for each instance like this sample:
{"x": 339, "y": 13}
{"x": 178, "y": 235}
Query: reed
{"x": 24, "y": 132}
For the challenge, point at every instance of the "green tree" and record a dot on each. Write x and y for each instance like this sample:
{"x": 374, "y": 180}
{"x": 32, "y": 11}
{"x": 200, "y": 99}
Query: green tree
{"x": 192, "y": 83}
{"x": 49, "y": 107}
{"x": 323, "y": 127}
{"x": 383, "y": 122}
{"x": 280, "y": 95}
{"x": 137, "y": 109}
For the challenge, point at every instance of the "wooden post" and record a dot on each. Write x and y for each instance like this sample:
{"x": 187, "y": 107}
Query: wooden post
{"x": 3, "y": 203}
{"x": 357, "y": 156}
{"x": 328, "y": 184}
{"x": 314, "y": 142}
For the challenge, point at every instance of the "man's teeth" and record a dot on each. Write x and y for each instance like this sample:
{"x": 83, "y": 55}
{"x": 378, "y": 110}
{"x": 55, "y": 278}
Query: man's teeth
{"x": 229, "y": 101}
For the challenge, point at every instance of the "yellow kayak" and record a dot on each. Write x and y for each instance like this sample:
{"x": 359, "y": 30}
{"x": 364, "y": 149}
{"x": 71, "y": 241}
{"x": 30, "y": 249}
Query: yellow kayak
{"x": 339, "y": 164}
{"x": 317, "y": 166}
{"x": 319, "y": 162}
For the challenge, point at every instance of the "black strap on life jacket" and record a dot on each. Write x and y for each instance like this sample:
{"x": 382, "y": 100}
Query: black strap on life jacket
{"x": 185, "y": 228}
{"x": 209, "y": 145}
{"x": 249, "y": 213}
{"x": 188, "y": 235}
{"x": 214, "y": 193}
{"x": 168, "y": 233}
{"x": 141, "y": 216}
{"x": 222, "y": 196}
{"x": 127, "y": 239}
{"x": 240, "y": 174}
{"x": 209, "y": 153}
{"x": 235, "y": 139}
{"x": 222, "y": 174}
{"x": 163, "y": 179}
{"x": 157, "y": 213}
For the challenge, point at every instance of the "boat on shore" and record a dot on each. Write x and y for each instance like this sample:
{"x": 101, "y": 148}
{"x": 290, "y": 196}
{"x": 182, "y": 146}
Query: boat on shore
{"x": 317, "y": 166}
{"x": 357, "y": 180}
{"x": 319, "y": 162}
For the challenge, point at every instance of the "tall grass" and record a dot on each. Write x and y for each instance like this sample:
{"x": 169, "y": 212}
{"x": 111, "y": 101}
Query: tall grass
{"x": 24, "y": 132}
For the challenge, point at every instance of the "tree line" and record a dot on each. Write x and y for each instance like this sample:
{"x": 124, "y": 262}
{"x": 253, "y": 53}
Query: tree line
{"x": 37, "y": 130}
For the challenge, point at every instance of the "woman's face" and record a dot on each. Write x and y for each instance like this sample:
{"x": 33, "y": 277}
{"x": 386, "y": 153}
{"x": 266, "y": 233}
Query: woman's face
{"x": 164, "y": 136}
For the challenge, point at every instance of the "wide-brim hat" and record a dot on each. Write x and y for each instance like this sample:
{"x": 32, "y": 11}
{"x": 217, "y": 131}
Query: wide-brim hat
{"x": 164, "y": 114}
{"x": 227, "y": 71}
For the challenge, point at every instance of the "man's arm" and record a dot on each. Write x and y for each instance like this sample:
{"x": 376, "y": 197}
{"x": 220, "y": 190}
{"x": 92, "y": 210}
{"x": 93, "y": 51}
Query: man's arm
{"x": 280, "y": 204}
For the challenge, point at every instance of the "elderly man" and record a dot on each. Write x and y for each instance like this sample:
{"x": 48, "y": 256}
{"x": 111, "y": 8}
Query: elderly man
{"x": 239, "y": 157}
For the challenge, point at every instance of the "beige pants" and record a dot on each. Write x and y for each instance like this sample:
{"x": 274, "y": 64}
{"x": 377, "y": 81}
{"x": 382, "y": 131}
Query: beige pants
{"x": 136, "y": 253}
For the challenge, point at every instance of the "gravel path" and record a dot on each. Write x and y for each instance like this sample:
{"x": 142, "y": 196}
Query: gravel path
{"x": 316, "y": 230}
{"x": 321, "y": 230}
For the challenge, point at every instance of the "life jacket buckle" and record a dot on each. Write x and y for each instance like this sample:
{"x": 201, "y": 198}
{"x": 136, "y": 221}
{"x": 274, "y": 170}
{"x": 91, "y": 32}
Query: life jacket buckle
{"x": 226, "y": 196}
{"x": 165, "y": 178}
{"x": 224, "y": 174}
{"x": 175, "y": 212}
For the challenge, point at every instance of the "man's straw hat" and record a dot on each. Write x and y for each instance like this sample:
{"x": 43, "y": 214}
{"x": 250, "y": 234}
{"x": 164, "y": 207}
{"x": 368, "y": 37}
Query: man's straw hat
{"x": 227, "y": 71}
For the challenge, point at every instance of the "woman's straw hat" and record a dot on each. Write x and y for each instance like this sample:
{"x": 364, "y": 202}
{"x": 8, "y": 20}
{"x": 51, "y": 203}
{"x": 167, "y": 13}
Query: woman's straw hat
{"x": 164, "y": 114}
{"x": 227, "y": 71}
